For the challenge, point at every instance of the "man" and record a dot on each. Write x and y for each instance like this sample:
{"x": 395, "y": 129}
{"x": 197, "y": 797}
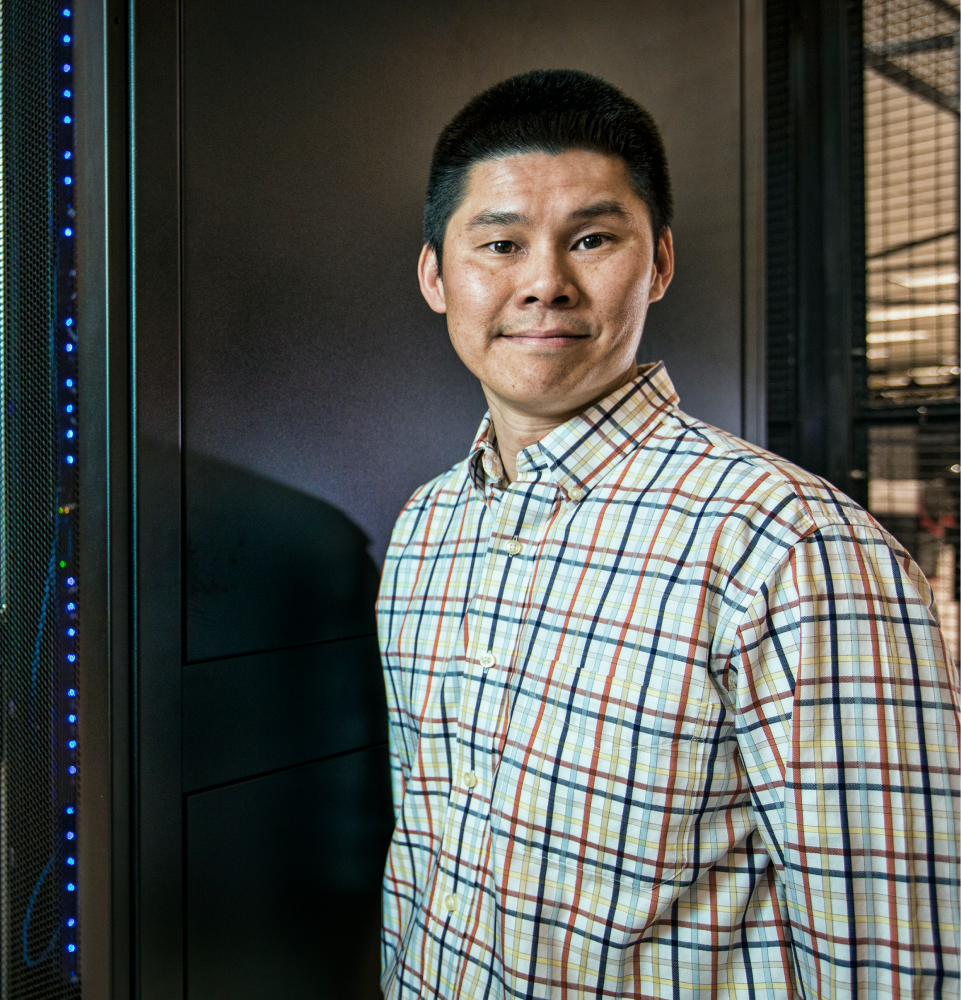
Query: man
{"x": 669, "y": 716}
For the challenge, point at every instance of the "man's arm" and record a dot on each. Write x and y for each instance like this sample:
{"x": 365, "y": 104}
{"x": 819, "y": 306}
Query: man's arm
{"x": 848, "y": 727}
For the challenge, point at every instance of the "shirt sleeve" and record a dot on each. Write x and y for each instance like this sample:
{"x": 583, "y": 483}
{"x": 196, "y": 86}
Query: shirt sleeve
{"x": 847, "y": 725}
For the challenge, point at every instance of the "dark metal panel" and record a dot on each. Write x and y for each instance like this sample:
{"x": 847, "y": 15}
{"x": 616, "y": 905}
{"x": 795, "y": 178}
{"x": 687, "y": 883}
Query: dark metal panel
{"x": 105, "y": 526}
{"x": 155, "y": 309}
{"x": 262, "y": 319}
{"x": 284, "y": 882}
{"x": 253, "y": 714}
{"x": 815, "y": 233}
{"x": 753, "y": 300}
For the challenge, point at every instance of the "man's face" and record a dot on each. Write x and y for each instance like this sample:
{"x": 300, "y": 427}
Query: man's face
{"x": 549, "y": 267}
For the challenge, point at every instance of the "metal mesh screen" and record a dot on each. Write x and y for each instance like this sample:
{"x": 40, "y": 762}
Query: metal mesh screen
{"x": 781, "y": 238}
{"x": 911, "y": 182}
{"x": 911, "y": 163}
{"x": 39, "y": 936}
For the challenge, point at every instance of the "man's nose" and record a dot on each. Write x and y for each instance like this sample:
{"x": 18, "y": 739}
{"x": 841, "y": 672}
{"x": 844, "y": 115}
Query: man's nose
{"x": 547, "y": 279}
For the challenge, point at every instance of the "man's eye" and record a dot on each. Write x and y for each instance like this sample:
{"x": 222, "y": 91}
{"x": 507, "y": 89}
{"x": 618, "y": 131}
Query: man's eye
{"x": 591, "y": 242}
{"x": 502, "y": 246}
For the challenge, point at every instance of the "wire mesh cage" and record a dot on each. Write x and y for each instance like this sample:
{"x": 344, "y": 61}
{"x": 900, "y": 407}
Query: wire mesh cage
{"x": 39, "y": 753}
{"x": 911, "y": 215}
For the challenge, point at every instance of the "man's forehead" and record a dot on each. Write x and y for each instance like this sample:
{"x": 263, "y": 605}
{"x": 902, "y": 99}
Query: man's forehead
{"x": 577, "y": 185}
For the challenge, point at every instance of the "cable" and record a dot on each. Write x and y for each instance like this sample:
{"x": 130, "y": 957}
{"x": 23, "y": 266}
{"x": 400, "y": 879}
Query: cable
{"x": 48, "y": 951}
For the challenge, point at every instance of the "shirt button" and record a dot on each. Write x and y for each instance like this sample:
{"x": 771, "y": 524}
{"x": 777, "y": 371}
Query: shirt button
{"x": 575, "y": 494}
{"x": 487, "y": 660}
{"x": 470, "y": 779}
{"x": 514, "y": 547}
{"x": 450, "y": 901}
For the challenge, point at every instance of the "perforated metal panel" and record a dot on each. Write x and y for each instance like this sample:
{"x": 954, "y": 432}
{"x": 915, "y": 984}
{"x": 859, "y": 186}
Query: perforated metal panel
{"x": 39, "y": 756}
{"x": 781, "y": 238}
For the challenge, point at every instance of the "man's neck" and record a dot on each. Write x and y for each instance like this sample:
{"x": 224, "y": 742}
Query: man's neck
{"x": 516, "y": 429}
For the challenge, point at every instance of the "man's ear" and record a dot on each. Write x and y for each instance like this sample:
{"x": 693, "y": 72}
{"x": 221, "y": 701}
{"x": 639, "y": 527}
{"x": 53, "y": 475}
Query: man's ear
{"x": 663, "y": 266}
{"x": 431, "y": 283}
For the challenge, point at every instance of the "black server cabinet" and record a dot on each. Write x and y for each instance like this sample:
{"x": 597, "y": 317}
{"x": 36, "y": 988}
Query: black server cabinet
{"x": 40, "y": 756}
{"x": 261, "y": 389}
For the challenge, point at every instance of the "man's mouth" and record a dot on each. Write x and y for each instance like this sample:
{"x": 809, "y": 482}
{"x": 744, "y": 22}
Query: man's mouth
{"x": 546, "y": 338}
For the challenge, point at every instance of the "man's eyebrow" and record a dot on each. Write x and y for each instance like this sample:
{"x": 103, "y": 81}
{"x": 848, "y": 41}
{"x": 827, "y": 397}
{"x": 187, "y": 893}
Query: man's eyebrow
{"x": 494, "y": 218}
{"x": 599, "y": 208}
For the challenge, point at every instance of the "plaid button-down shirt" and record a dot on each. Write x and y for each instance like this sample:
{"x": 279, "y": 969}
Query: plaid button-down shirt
{"x": 668, "y": 717}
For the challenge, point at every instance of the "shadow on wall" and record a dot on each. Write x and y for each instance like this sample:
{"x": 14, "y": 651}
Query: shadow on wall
{"x": 288, "y": 811}
{"x": 269, "y": 566}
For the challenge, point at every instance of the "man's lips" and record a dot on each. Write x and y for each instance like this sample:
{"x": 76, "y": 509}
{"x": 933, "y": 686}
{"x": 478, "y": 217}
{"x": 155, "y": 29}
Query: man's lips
{"x": 544, "y": 336}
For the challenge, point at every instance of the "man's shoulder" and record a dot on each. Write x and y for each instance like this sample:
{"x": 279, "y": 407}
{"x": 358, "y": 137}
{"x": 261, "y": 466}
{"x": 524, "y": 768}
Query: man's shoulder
{"x": 449, "y": 489}
{"x": 750, "y": 477}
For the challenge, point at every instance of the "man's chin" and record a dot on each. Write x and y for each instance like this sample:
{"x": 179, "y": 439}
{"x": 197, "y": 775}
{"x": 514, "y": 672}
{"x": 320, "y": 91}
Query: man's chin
{"x": 555, "y": 391}
{"x": 555, "y": 399}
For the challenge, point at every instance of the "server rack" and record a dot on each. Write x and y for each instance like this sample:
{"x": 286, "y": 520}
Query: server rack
{"x": 40, "y": 747}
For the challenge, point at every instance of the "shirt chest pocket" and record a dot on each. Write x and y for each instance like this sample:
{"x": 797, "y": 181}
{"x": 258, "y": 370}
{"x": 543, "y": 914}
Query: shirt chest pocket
{"x": 607, "y": 770}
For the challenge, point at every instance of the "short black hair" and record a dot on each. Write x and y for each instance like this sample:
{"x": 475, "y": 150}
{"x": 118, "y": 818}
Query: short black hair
{"x": 546, "y": 111}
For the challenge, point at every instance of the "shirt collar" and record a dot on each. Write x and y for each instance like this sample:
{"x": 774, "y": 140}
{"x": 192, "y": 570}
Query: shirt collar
{"x": 579, "y": 451}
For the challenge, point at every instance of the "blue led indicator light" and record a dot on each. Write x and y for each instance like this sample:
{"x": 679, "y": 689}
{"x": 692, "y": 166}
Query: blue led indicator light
{"x": 71, "y": 922}
{"x": 70, "y": 433}
{"x": 71, "y": 947}
{"x": 70, "y": 887}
